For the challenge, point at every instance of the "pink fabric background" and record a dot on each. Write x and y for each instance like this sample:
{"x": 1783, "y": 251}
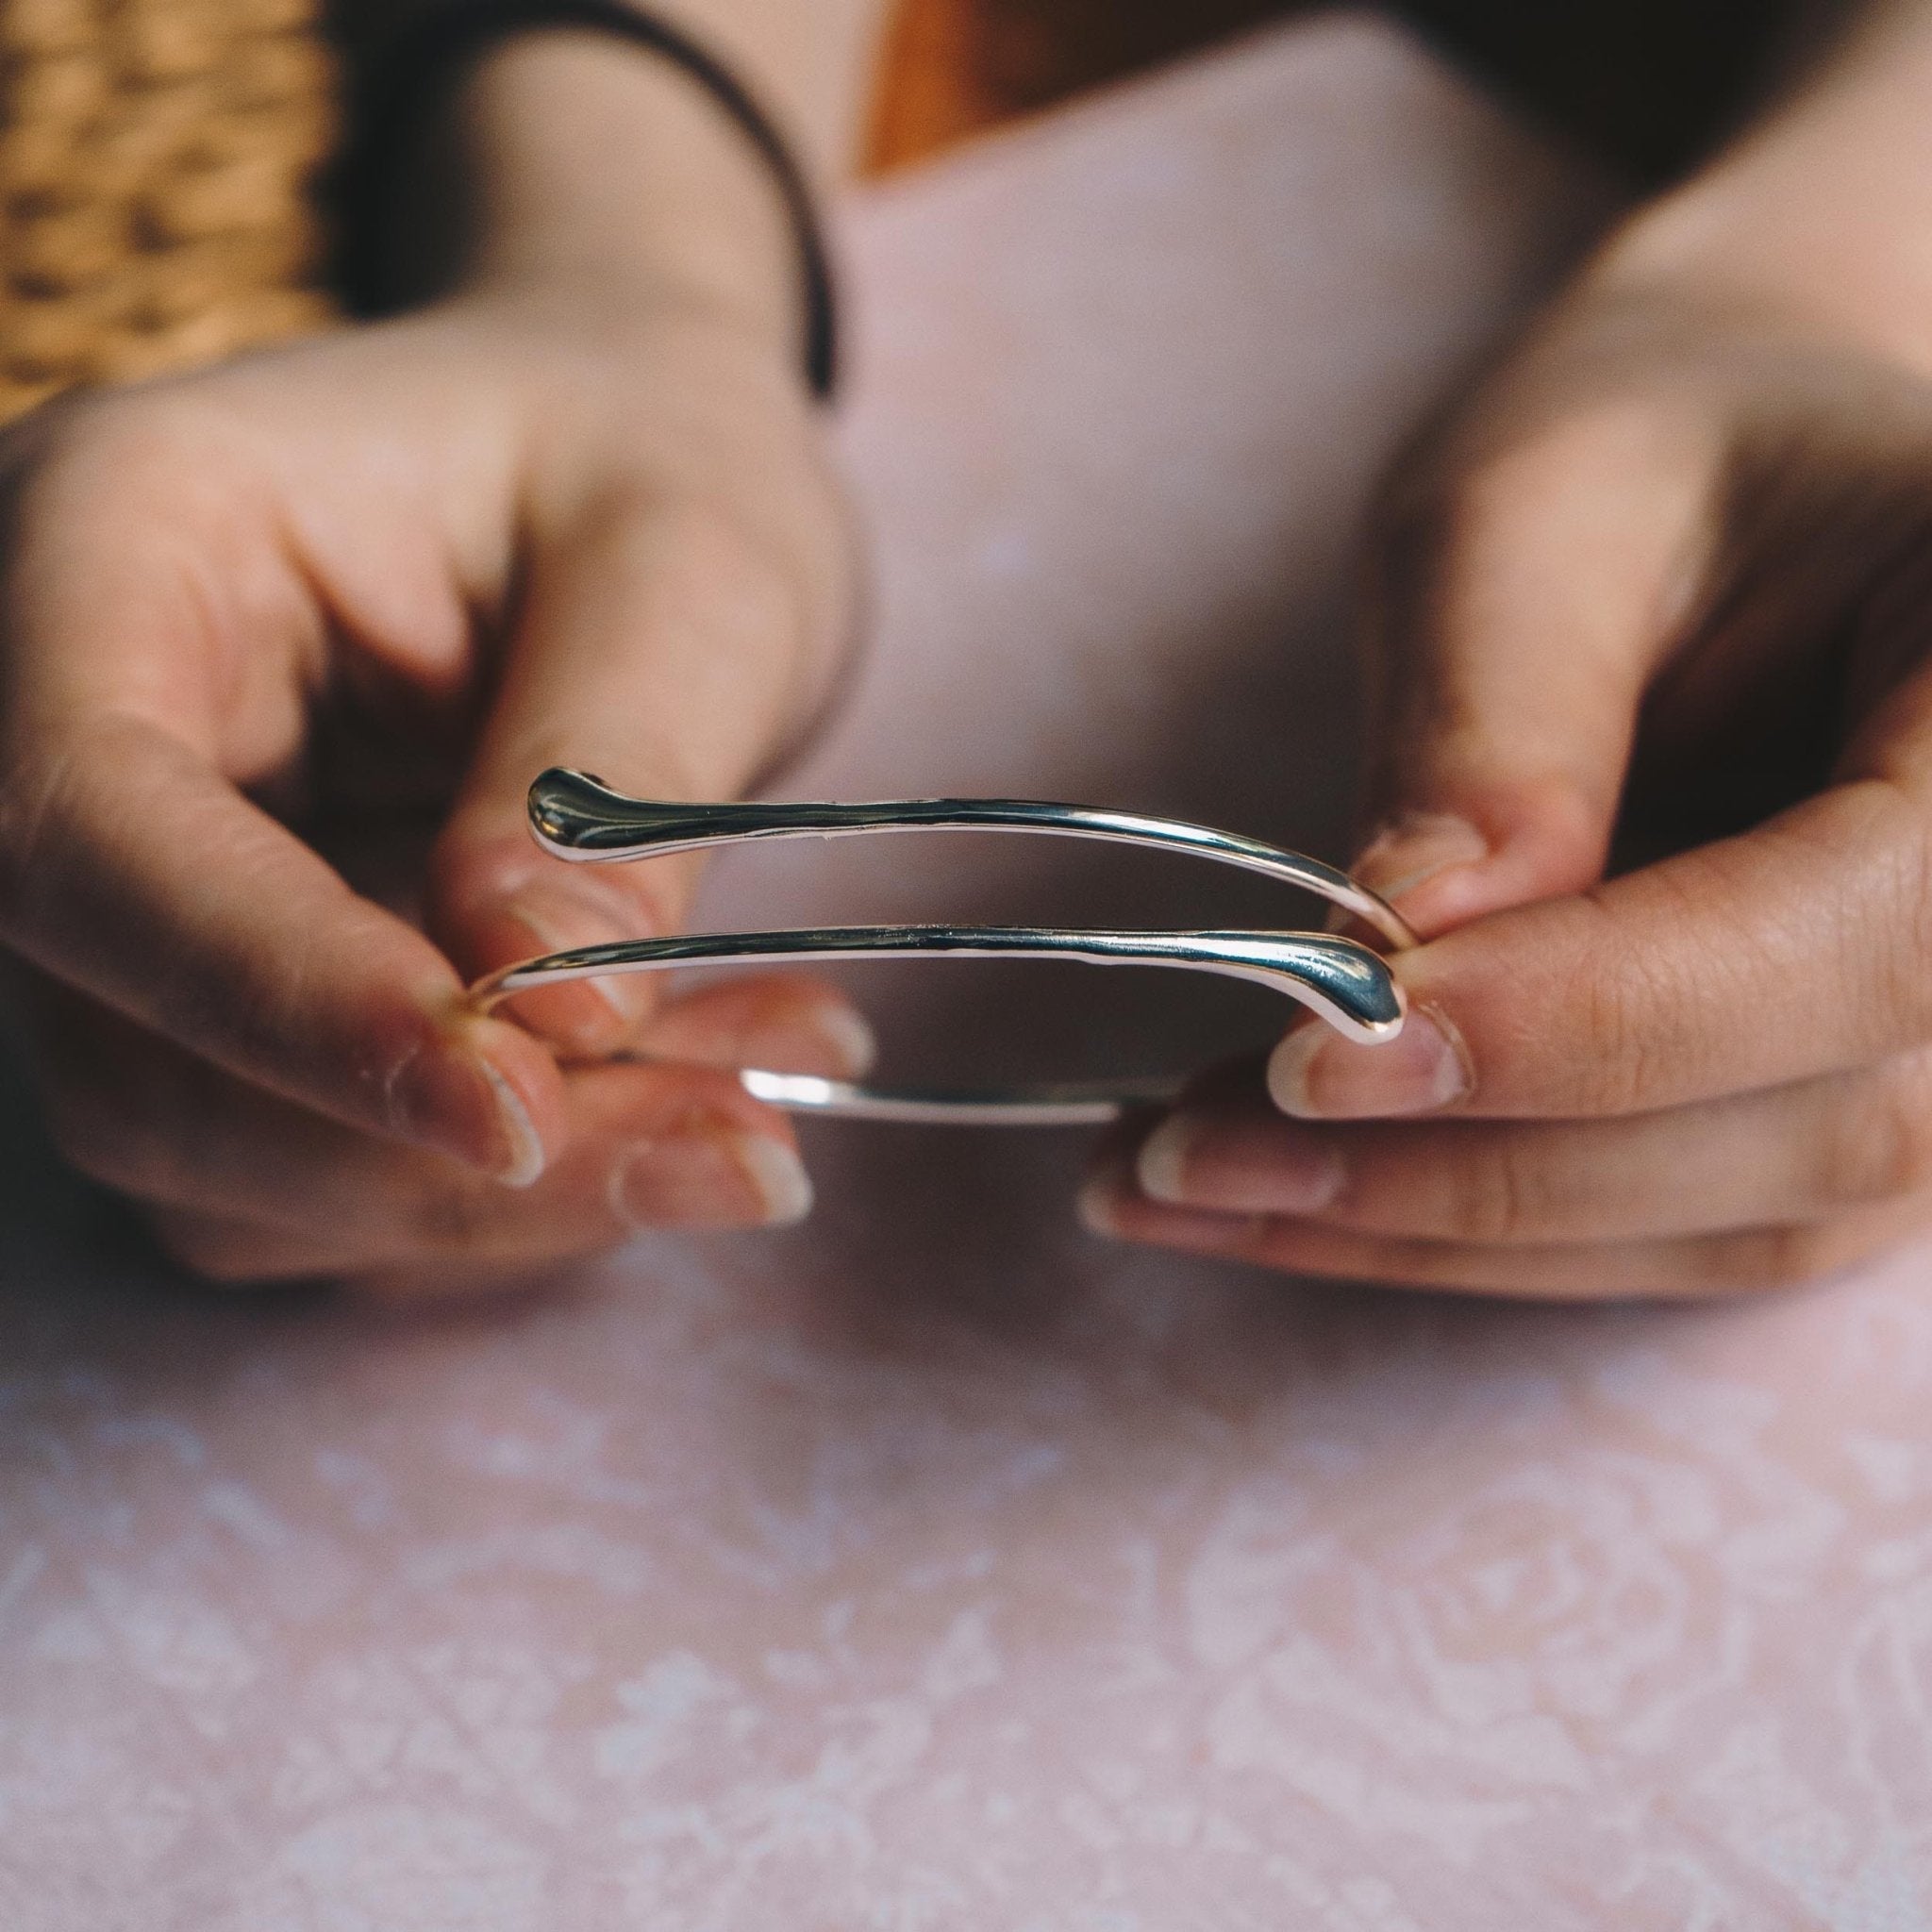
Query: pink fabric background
{"x": 937, "y": 1566}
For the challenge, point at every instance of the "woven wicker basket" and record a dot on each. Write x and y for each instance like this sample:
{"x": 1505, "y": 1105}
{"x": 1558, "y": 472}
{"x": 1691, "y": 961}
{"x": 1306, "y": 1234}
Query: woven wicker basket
{"x": 159, "y": 157}
{"x": 157, "y": 161}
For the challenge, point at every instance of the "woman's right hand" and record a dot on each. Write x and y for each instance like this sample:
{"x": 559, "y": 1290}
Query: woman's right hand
{"x": 392, "y": 575}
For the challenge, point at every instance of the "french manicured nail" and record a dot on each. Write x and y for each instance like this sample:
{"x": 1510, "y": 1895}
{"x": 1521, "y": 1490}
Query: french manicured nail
{"x": 850, "y": 1044}
{"x": 1414, "y": 849}
{"x": 1263, "y": 1167}
{"x": 711, "y": 1173}
{"x": 813, "y": 1036}
{"x": 1098, "y": 1207}
{"x": 1110, "y": 1205}
{"x": 1316, "y": 1074}
{"x": 451, "y": 1099}
{"x": 561, "y": 913}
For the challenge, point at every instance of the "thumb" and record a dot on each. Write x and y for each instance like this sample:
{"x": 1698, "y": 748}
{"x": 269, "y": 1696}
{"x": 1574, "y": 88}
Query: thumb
{"x": 1515, "y": 618}
{"x": 654, "y": 649}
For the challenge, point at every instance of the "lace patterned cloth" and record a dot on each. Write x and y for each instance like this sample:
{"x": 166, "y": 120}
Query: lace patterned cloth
{"x": 937, "y": 1566}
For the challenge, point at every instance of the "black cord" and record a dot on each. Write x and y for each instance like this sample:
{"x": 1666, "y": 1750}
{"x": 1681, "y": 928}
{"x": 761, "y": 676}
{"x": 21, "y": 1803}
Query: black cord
{"x": 402, "y": 86}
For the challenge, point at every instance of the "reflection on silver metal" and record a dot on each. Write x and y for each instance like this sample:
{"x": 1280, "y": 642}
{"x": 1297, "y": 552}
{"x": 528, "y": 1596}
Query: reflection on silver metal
{"x": 1073, "y": 1103}
{"x": 1344, "y": 982}
{"x": 578, "y": 818}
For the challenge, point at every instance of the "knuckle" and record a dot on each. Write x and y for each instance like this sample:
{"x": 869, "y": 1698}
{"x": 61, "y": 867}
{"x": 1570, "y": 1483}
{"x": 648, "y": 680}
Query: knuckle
{"x": 1638, "y": 1045}
{"x": 129, "y": 441}
{"x": 454, "y": 1215}
{"x": 90, "y": 458}
{"x": 50, "y": 814}
{"x": 1794, "y": 1256}
{"x": 1877, "y": 1146}
{"x": 1613, "y": 1067}
{"x": 726, "y": 566}
{"x": 1497, "y": 1200}
{"x": 1775, "y": 1257}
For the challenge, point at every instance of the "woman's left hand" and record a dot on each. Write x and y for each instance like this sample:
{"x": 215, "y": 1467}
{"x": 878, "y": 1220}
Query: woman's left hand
{"x": 1665, "y": 594}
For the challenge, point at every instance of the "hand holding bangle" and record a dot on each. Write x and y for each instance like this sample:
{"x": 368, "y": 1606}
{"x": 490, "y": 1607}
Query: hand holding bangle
{"x": 1346, "y": 983}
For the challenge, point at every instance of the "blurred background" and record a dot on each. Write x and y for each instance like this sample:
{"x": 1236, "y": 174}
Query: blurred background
{"x": 1647, "y": 83}
{"x": 159, "y": 159}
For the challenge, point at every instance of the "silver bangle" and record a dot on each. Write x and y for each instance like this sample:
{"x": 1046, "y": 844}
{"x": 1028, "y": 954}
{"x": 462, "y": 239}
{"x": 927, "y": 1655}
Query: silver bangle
{"x": 1346, "y": 983}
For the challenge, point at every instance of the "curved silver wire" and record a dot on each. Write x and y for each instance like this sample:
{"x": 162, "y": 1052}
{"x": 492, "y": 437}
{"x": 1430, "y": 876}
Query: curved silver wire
{"x": 579, "y": 817}
{"x": 1346, "y": 983}
{"x": 1068, "y": 1103}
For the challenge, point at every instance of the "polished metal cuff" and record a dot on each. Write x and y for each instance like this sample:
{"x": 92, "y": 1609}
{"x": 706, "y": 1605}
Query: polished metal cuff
{"x": 1346, "y": 984}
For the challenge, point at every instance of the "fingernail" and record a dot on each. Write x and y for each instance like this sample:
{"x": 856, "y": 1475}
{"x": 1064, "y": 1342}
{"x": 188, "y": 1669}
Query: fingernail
{"x": 562, "y": 913}
{"x": 1239, "y": 1166}
{"x": 1316, "y": 1074}
{"x": 711, "y": 1173}
{"x": 1416, "y": 848}
{"x": 783, "y": 1186}
{"x": 524, "y": 1165}
{"x": 1096, "y": 1206}
{"x": 1106, "y": 1207}
{"x": 850, "y": 1044}
{"x": 799, "y": 1037}
{"x": 449, "y": 1098}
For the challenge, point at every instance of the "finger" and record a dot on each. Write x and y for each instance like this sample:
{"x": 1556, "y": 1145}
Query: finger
{"x": 654, "y": 650}
{"x": 790, "y": 1022}
{"x": 1794, "y": 950}
{"x": 1793, "y": 1154}
{"x": 649, "y": 1146}
{"x": 132, "y": 869}
{"x": 232, "y": 1253}
{"x": 1514, "y": 618}
{"x": 1693, "y": 1267}
{"x": 660, "y": 1149}
{"x": 161, "y": 646}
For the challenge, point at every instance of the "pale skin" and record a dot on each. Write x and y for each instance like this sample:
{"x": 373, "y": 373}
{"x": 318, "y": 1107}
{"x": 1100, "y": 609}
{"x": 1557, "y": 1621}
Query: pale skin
{"x": 575, "y": 508}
